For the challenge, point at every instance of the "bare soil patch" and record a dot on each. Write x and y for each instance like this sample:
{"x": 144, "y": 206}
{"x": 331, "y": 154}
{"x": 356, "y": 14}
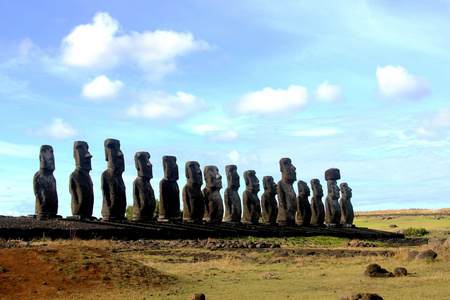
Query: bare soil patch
{"x": 59, "y": 271}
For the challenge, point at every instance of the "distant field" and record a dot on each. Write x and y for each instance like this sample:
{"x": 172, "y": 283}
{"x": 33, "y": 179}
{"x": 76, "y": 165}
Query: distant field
{"x": 437, "y": 222}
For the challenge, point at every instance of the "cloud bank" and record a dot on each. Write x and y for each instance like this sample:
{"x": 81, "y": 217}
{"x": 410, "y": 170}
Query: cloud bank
{"x": 57, "y": 130}
{"x": 398, "y": 83}
{"x": 159, "y": 105}
{"x": 269, "y": 101}
{"x": 101, "y": 44}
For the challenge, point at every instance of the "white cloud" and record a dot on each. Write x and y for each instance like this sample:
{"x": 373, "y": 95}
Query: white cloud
{"x": 18, "y": 150}
{"x": 270, "y": 101}
{"x": 101, "y": 44}
{"x": 57, "y": 130}
{"x": 25, "y": 46}
{"x": 223, "y": 135}
{"x": 101, "y": 87}
{"x": 398, "y": 83}
{"x": 316, "y": 132}
{"x": 329, "y": 93}
{"x": 436, "y": 126}
{"x": 234, "y": 157}
{"x": 159, "y": 105}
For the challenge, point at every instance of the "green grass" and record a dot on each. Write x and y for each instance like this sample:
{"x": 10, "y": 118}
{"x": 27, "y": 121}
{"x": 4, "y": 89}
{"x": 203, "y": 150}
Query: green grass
{"x": 431, "y": 223}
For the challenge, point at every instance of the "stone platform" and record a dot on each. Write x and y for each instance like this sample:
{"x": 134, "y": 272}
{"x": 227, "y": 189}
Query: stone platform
{"x": 30, "y": 228}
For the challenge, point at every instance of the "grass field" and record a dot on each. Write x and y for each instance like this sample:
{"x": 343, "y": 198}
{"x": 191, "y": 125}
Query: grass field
{"x": 104, "y": 269}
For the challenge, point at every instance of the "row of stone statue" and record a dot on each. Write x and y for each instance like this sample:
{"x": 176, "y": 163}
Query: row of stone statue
{"x": 198, "y": 205}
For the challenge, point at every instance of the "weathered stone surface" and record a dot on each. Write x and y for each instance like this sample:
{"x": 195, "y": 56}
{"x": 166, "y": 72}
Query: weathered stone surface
{"x": 211, "y": 193}
{"x": 113, "y": 187}
{"x": 427, "y": 254}
{"x": 233, "y": 207}
{"x": 144, "y": 202}
{"x": 193, "y": 200}
{"x": 44, "y": 184}
{"x": 269, "y": 203}
{"x": 303, "y": 205}
{"x": 347, "y": 213}
{"x": 332, "y": 174}
{"x": 287, "y": 202}
{"x": 374, "y": 270}
{"x": 398, "y": 272}
{"x": 252, "y": 205}
{"x": 317, "y": 207}
{"x": 447, "y": 243}
{"x": 361, "y": 296}
{"x": 169, "y": 192}
{"x": 80, "y": 183}
{"x": 332, "y": 208}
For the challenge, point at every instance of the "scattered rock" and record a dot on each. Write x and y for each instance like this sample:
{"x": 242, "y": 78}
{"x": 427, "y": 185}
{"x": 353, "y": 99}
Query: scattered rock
{"x": 358, "y": 243}
{"x": 393, "y": 226}
{"x": 362, "y": 296}
{"x": 374, "y": 270}
{"x": 412, "y": 254}
{"x": 198, "y": 296}
{"x": 269, "y": 276}
{"x": 427, "y": 254}
{"x": 447, "y": 242}
{"x": 399, "y": 272}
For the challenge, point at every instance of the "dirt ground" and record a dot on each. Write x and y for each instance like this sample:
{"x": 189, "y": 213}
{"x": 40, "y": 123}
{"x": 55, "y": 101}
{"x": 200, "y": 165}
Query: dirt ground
{"x": 57, "y": 271}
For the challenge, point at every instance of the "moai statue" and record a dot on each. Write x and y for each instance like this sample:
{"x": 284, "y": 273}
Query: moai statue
{"x": 250, "y": 200}
{"x": 44, "y": 185}
{"x": 317, "y": 208}
{"x": 193, "y": 201}
{"x": 144, "y": 202}
{"x": 211, "y": 193}
{"x": 233, "y": 208}
{"x": 169, "y": 192}
{"x": 332, "y": 209}
{"x": 287, "y": 204}
{"x": 303, "y": 205}
{"x": 347, "y": 213}
{"x": 269, "y": 204}
{"x": 113, "y": 187}
{"x": 80, "y": 182}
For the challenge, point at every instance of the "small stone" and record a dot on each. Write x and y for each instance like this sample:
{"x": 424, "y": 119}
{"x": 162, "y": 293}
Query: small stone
{"x": 198, "y": 296}
{"x": 361, "y": 296}
{"x": 399, "y": 272}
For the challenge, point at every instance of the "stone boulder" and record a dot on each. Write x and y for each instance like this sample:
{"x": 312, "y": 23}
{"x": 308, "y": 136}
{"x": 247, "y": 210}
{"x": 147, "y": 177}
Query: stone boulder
{"x": 447, "y": 243}
{"x": 412, "y": 254}
{"x": 399, "y": 272}
{"x": 374, "y": 270}
{"x": 427, "y": 254}
{"x": 362, "y": 296}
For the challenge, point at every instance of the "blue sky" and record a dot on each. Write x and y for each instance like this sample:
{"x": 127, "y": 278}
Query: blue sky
{"x": 357, "y": 85}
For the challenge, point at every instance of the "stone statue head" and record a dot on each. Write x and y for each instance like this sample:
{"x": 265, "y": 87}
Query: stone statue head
{"x": 170, "y": 168}
{"x": 303, "y": 188}
{"x": 143, "y": 164}
{"x": 47, "y": 158}
{"x": 193, "y": 172}
{"x": 346, "y": 190}
{"x": 114, "y": 155}
{"x": 333, "y": 189}
{"x": 212, "y": 177}
{"x": 288, "y": 173}
{"x": 317, "y": 188}
{"x": 251, "y": 181}
{"x": 232, "y": 176}
{"x": 82, "y": 155}
{"x": 269, "y": 185}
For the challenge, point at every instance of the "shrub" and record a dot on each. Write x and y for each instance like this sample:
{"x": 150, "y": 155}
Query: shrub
{"x": 414, "y": 231}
